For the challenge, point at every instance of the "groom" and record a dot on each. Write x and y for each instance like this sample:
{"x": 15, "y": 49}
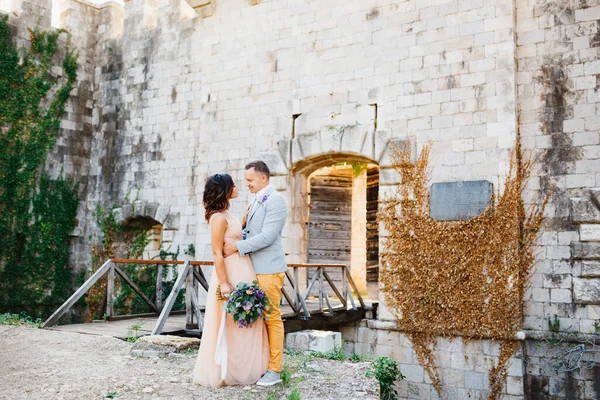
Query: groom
{"x": 262, "y": 242}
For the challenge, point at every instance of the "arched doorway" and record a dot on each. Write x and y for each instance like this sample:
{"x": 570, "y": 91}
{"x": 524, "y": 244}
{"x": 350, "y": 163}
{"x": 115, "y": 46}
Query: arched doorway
{"x": 338, "y": 205}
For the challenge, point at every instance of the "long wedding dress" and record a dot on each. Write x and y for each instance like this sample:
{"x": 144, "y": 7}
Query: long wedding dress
{"x": 247, "y": 349}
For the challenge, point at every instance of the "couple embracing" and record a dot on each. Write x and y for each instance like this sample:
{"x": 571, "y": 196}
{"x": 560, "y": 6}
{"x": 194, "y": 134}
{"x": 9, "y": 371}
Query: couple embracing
{"x": 244, "y": 251}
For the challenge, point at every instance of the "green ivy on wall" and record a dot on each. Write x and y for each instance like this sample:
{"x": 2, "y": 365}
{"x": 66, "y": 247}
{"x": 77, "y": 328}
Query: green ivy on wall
{"x": 37, "y": 214}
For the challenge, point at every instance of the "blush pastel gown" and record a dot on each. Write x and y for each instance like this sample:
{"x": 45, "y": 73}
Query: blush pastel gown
{"x": 247, "y": 349}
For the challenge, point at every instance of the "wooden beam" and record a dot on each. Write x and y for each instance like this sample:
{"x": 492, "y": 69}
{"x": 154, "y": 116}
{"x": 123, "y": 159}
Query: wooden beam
{"x": 335, "y": 289}
{"x": 159, "y": 262}
{"x": 159, "y": 287}
{"x": 297, "y": 287}
{"x": 189, "y": 290}
{"x": 290, "y": 279}
{"x": 304, "y": 265}
{"x": 289, "y": 300}
{"x": 164, "y": 314}
{"x": 328, "y": 304}
{"x": 110, "y": 291}
{"x": 362, "y": 303}
{"x": 146, "y": 262}
{"x": 136, "y": 289}
{"x": 310, "y": 285}
{"x": 199, "y": 275}
{"x": 77, "y": 295}
{"x": 197, "y": 311}
{"x": 324, "y": 322}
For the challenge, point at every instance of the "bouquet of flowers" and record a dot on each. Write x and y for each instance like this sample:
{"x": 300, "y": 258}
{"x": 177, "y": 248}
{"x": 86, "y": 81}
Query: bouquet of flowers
{"x": 247, "y": 303}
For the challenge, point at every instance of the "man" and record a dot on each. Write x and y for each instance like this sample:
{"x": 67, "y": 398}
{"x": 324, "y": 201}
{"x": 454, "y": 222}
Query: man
{"x": 262, "y": 242}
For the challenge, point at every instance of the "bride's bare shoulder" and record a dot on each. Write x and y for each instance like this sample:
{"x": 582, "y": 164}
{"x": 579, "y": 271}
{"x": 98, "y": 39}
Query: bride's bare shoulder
{"x": 218, "y": 219}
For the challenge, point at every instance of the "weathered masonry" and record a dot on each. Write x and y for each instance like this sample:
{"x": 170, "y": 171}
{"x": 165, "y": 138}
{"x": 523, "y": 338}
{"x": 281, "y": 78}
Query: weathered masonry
{"x": 171, "y": 91}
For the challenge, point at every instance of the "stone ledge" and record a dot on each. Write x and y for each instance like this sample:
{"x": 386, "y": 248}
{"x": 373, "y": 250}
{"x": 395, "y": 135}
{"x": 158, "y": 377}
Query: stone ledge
{"x": 570, "y": 337}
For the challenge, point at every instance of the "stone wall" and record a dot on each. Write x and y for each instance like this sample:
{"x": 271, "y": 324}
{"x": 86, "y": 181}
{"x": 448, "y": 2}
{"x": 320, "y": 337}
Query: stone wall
{"x": 169, "y": 94}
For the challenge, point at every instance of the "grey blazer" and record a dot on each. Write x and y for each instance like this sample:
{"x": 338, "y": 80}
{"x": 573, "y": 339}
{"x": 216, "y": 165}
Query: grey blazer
{"x": 262, "y": 234}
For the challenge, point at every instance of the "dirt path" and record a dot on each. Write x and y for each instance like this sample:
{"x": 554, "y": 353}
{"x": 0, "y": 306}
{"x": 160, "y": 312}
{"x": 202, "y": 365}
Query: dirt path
{"x": 42, "y": 364}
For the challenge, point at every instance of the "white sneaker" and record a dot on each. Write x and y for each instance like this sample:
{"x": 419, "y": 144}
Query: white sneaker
{"x": 270, "y": 378}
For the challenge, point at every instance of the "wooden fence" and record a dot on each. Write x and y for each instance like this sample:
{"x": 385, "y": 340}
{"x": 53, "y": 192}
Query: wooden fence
{"x": 193, "y": 278}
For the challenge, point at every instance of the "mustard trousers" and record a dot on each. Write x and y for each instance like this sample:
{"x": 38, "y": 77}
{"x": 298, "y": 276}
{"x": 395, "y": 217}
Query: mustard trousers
{"x": 271, "y": 284}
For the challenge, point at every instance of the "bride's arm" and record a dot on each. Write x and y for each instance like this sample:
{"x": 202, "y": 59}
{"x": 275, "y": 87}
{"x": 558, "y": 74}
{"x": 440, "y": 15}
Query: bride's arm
{"x": 217, "y": 233}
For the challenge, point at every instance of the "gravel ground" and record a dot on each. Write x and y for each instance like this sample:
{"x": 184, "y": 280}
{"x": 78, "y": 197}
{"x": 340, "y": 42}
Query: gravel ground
{"x": 43, "y": 364}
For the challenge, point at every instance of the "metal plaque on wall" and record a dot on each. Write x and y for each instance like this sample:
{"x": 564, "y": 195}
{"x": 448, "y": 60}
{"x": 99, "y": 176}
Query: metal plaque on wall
{"x": 453, "y": 201}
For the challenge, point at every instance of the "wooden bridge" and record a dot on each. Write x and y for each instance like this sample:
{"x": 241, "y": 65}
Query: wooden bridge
{"x": 307, "y": 300}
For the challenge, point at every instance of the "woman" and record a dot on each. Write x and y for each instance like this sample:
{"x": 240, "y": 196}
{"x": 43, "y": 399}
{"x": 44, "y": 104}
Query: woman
{"x": 247, "y": 350}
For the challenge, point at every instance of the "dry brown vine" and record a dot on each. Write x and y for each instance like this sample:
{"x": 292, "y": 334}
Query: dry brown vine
{"x": 458, "y": 278}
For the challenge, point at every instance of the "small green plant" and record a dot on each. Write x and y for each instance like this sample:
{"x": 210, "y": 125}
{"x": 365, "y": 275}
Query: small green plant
{"x": 554, "y": 325}
{"x": 190, "y": 251}
{"x": 295, "y": 395}
{"x": 596, "y": 327}
{"x": 355, "y": 358}
{"x": 134, "y": 329}
{"x": 335, "y": 354}
{"x": 386, "y": 372}
{"x": 111, "y": 395}
{"x": 271, "y": 397}
{"x": 20, "y": 319}
{"x": 286, "y": 376}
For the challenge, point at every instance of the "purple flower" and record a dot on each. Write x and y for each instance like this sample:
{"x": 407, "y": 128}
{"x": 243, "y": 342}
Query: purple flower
{"x": 247, "y": 305}
{"x": 264, "y": 198}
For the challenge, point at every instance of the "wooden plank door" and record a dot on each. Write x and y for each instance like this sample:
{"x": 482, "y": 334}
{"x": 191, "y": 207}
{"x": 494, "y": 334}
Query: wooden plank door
{"x": 372, "y": 224}
{"x": 330, "y": 219}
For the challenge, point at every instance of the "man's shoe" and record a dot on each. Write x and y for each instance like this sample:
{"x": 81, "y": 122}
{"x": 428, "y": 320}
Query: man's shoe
{"x": 270, "y": 378}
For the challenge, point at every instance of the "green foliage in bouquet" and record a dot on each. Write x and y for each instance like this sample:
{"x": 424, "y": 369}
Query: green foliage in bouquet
{"x": 247, "y": 303}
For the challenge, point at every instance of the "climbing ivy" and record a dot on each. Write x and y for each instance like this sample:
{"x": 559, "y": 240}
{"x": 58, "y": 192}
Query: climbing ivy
{"x": 37, "y": 214}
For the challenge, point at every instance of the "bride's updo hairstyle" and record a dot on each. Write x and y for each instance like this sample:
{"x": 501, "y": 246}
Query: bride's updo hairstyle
{"x": 217, "y": 191}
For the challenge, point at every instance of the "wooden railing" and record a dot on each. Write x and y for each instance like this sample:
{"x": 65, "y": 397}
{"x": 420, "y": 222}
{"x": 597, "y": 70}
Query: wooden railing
{"x": 191, "y": 275}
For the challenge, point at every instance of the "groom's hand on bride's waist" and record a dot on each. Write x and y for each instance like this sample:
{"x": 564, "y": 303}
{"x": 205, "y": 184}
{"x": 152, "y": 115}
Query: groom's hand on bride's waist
{"x": 229, "y": 248}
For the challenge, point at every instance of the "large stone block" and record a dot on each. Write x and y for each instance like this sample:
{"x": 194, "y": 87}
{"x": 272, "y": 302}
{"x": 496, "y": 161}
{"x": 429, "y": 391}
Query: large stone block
{"x": 162, "y": 212}
{"x": 310, "y": 144}
{"x": 387, "y": 158}
{"x": 284, "y": 151}
{"x": 313, "y": 340}
{"x": 173, "y": 221}
{"x": 118, "y": 215}
{"x": 589, "y": 232}
{"x": 584, "y": 211}
{"x": 585, "y": 250}
{"x": 353, "y": 139}
{"x": 150, "y": 210}
{"x": 139, "y": 208}
{"x": 275, "y": 162}
{"x": 127, "y": 211}
{"x": 586, "y": 290}
{"x": 589, "y": 269}
{"x": 331, "y": 139}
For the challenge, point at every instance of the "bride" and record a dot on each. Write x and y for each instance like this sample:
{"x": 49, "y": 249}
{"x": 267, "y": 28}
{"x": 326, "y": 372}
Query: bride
{"x": 247, "y": 349}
